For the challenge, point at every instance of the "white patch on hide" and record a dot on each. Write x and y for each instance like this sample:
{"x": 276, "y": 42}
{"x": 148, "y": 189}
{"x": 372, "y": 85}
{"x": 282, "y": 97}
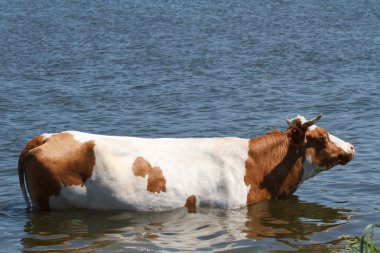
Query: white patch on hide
{"x": 69, "y": 197}
{"x": 347, "y": 147}
{"x": 212, "y": 169}
{"x": 310, "y": 169}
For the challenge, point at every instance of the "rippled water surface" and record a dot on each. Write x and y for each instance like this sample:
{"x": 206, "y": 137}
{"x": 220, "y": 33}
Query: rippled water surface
{"x": 193, "y": 68}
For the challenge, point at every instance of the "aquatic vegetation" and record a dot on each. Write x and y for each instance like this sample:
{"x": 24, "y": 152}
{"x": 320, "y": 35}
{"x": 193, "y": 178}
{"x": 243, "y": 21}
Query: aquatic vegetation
{"x": 365, "y": 243}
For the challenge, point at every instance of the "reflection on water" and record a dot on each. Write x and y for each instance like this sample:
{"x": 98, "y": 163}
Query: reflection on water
{"x": 290, "y": 218}
{"x": 209, "y": 229}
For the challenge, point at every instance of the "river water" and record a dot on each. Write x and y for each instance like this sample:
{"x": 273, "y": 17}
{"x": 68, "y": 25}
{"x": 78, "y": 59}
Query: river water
{"x": 172, "y": 68}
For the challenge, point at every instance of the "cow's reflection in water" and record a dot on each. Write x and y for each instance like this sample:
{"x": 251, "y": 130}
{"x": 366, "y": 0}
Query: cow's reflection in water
{"x": 290, "y": 218}
{"x": 180, "y": 229}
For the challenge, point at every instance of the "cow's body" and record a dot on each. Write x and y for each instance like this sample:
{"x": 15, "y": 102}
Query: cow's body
{"x": 80, "y": 170}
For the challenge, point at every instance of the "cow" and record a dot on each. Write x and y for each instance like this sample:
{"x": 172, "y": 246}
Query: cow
{"x": 76, "y": 170}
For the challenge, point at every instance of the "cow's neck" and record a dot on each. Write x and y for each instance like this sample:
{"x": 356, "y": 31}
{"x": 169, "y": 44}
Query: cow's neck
{"x": 273, "y": 167}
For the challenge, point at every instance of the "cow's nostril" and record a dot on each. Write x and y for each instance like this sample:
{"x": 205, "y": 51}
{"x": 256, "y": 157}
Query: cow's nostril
{"x": 352, "y": 149}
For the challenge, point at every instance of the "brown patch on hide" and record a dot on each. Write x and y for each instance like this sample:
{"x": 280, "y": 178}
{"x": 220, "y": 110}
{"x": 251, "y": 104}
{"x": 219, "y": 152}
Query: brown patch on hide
{"x": 273, "y": 167}
{"x": 156, "y": 180}
{"x": 191, "y": 203}
{"x": 35, "y": 142}
{"x": 57, "y": 160}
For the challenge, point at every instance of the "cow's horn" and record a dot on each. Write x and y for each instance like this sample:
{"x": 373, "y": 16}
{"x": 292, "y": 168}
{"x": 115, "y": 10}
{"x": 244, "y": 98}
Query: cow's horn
{"x": 311, "y": 122}
{"x": 316, "y": 118}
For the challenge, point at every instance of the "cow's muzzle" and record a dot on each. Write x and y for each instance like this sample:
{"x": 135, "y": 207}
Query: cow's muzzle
{"x": 345, "y": 157}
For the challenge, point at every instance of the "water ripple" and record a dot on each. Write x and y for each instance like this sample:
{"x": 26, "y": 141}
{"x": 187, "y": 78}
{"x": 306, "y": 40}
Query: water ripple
{"x": 191, "y": 68}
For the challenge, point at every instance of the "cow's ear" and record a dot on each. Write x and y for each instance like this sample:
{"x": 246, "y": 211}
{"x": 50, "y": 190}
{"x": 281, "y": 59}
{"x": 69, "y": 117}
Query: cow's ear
{"x": 297, "y": 136}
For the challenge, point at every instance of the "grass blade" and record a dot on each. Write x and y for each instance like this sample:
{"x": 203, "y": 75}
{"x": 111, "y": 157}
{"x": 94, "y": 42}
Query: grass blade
{"x": 369, "y": 244}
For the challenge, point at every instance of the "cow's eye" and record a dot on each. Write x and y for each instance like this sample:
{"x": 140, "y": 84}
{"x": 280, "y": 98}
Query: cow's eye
{"x": 321, "y": 139}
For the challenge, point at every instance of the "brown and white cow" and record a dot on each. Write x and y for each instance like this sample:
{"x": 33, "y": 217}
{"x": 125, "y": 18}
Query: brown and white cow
{"x": 81, "y": 170}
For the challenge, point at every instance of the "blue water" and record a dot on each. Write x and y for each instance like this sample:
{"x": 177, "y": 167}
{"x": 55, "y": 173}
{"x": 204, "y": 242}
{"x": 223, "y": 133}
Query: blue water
{"x": 193, "y": 68}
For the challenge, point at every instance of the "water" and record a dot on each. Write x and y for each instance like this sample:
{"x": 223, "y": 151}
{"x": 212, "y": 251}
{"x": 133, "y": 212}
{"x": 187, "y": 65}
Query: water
{"x": 193, "y": 68}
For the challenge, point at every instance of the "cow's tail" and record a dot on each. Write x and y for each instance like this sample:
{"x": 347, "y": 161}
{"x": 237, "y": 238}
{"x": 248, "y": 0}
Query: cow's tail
{"x": 21, "y": 177}
{"x": 39, "y": 140}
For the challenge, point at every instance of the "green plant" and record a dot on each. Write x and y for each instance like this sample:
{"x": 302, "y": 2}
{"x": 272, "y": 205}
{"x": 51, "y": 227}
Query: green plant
{"x": 363, "y": 244}
{"x": 367, "y": 240}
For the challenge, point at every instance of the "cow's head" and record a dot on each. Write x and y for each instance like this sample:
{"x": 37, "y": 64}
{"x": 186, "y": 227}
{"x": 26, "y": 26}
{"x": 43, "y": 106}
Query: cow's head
{"x": 322, "y": 150}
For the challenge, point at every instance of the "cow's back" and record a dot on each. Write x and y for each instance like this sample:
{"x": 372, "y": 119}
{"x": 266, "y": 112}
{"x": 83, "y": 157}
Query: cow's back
{"x": 79, "y": 170}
